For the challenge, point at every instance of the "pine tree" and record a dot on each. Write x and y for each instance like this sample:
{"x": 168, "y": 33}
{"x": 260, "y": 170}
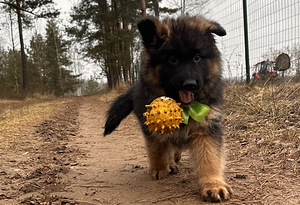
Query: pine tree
{"x": 3, "y": 71}
{"x": 36, "y": 64}
{"x": 92, "y": 86}
{"x": 26, "y": 10}
{"x": 107, "y": 30}
{"x": 13, "y": 75}
{"x": 59, "y": 79}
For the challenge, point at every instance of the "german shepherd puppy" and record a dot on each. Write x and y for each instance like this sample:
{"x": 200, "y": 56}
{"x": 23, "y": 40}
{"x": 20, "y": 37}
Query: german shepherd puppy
{"x": 180, "y": 60}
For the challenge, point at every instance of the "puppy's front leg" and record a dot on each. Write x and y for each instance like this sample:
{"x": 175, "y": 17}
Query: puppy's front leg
{"x": 207, "y": 155}
{"x": 161, "y": 159}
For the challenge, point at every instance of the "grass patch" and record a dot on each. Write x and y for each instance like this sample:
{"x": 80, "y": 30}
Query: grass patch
{"x": 273, "y": 112}
{"x": 109, "y": 96}
{"x": 13, "y": 121}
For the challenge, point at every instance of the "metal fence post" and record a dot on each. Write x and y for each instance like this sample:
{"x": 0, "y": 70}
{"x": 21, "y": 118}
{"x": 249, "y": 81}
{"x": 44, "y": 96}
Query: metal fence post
{"x": 246, "y": 41}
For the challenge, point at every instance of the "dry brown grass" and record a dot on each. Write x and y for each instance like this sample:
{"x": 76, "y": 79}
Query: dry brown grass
{"x": 270, "y": 111}
{"x": 6, "y": 101}
{"x": 109, "y": 96}
{"x": 263, "y": 134}
{"x": 13, "y": 120}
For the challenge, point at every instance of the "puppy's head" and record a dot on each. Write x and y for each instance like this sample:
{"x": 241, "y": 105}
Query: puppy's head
{"x": 180, "y": 55}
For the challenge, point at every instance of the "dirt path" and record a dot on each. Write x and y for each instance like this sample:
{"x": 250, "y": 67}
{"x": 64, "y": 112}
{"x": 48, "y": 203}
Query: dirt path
{"x": 66, "y": 160}
{"x": 34, "y": 159}
{"x": 114, "y": 170}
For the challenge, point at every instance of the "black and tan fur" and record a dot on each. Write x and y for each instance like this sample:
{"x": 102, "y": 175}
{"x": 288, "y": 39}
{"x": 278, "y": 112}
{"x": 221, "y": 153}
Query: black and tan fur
{"x": 180, "y": 54}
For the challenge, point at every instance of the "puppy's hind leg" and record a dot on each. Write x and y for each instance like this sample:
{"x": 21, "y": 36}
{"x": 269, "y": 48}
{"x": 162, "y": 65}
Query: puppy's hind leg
{"x": 177, "y": 155}
{"x": 174, "y": 159}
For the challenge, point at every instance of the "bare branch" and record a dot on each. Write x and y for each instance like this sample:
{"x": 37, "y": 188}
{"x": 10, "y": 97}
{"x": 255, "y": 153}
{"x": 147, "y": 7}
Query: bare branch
{"x": 14, "y": 6}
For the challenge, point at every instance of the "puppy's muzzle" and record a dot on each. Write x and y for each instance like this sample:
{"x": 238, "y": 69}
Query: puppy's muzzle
{"x": 186, "y": 93}
{"x": 189, "y": 85}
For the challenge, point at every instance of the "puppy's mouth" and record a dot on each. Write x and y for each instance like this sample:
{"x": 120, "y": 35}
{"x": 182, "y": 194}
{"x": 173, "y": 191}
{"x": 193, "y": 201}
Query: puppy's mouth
{"x": 186, "y": 97}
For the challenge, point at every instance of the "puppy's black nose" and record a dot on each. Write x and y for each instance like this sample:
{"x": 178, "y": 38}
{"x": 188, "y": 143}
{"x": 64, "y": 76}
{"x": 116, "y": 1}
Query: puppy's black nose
{"x": 189, "y": 84}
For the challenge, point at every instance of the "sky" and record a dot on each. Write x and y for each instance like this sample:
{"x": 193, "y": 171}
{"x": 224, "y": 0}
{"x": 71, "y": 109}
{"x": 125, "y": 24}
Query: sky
{"x": 65, "y": 7}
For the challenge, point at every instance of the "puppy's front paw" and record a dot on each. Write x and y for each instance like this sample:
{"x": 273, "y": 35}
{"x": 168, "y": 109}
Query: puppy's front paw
{"x": 159, "y": 173}
{"x": 215, "y": 190}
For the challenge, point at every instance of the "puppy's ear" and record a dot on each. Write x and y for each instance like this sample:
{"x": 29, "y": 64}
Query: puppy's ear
{"x": 152, "y": 32}
{"x": 217, "y": 29}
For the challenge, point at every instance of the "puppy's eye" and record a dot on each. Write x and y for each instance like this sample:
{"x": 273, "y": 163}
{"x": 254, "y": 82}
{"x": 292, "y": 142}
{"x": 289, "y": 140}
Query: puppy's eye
{"x": 173, "y": 60}
{"x": 197, "y": 58}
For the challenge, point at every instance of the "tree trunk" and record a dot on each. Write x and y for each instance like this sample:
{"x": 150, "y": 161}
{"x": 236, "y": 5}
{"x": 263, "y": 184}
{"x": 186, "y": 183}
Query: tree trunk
{"x": 182, "y": 7}
{"x": 11, "y": 29}
{"x": 126, "y": 54}
{"x": 60, "y": 77}
{"x": 23, "y": 55}
{"x": 156, "y": 8}
{"x": 143, "y": 8}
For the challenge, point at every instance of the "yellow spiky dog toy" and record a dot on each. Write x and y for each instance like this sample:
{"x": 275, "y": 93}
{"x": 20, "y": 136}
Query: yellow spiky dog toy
{"x": 163, "y": 115}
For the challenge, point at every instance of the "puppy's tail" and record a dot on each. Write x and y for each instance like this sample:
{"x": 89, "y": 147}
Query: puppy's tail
{"x": 120, "y": 108}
